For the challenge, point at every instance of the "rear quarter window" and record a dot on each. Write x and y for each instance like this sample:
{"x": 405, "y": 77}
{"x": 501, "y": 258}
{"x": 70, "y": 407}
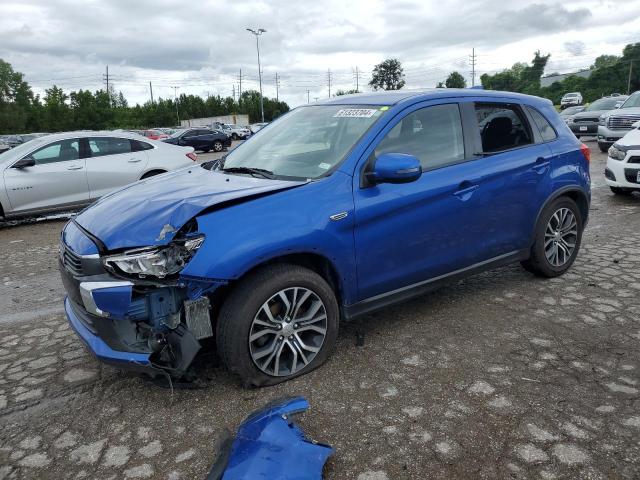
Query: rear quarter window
{"x": 546, "y": 130}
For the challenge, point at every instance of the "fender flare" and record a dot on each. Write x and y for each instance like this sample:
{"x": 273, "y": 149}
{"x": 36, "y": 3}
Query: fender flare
{"x": 554, "y": 196}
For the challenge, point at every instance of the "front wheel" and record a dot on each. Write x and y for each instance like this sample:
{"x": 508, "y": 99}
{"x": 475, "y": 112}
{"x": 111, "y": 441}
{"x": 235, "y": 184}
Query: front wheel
{"x": 278, "y": 323}
{"x": 234, "y": 136}
{"x": 604, "y": 148}
{"x": 557, "y": 239}
{"x": 217, "y": 146}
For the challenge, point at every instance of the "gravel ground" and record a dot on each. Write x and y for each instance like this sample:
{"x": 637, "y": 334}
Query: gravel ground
{"x": 502, "y": 375}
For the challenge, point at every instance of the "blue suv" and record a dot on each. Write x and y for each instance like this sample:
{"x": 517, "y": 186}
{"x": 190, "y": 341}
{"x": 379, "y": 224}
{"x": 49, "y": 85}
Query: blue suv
{"x": 334, "y": 210}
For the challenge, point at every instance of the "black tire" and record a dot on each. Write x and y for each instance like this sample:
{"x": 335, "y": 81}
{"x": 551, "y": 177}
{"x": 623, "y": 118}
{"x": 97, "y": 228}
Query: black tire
{"x": 234, "y": 136}
{"x": 621, "y": 191}
{"x": 243, "y": 304}
{"x": 152, "y": 173}
{"x": 537, "y": 263}
{"x": 205, "y": 150}
{"x": 217, "y": 146}
{"x": 604, "y": 147}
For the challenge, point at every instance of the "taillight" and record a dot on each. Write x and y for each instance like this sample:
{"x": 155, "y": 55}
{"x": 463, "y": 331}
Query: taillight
{"x": 586, "y": 151}
{"x": 192, "y": 156}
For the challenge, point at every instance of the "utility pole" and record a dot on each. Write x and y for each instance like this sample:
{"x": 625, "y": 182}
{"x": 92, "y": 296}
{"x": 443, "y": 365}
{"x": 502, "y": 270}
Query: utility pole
{"x": 307, "y": 96}
{"x": 357, "y": 78}
{"x": 240, "y": 85}
{"x": 233, "y": 91}
{"x": 629, "y": 81}
{"x": 175, "y": 100}
{"x": 329, "y": 81}
{"x": 257, "y": 33}
{"x": 151, "y": 91}
{"x": 472, "y": 59}
{"x": 277, "y": 87}
{"x": 106, "y": 78}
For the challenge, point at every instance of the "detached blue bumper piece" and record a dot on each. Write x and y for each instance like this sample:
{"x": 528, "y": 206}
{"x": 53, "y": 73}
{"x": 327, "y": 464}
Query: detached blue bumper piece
{"x": 270, "y": 446}
{"x": 100, "y": 349}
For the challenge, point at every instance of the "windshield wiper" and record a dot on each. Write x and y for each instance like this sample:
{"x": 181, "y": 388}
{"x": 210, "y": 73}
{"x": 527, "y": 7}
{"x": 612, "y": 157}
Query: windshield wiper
{"x": 251, "y": 171}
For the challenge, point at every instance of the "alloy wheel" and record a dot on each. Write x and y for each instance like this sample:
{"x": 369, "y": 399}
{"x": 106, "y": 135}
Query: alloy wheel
{"x": 217, "y": 146}
{"x": 288, "y": 331}
{"x": 560, "y": 237}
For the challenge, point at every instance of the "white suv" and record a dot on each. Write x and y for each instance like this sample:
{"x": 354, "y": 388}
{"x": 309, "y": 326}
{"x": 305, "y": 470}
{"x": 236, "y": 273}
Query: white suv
{"x": 623, "y": 163}
{"x": 236, "y": 132}
{"x": 570, "y": 99}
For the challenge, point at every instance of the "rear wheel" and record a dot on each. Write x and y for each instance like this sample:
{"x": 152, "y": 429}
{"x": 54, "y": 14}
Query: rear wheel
{"x": 234, "y": 136}
{"x": 603, "y": 147}
{"x": 217, "y": 146}
{"x": 557, "y": 239}
{"x": 621, "y": 191}
{"x": 278, "y": 323}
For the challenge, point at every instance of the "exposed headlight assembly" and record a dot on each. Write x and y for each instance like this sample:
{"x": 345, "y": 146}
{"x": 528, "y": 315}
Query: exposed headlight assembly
{"x": 158, "y": 262}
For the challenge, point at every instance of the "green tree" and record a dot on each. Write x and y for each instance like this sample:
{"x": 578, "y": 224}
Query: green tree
{"x": 521, "y": 77}
{"x": 455, "y": 80}
{"x": 388, "y": 75}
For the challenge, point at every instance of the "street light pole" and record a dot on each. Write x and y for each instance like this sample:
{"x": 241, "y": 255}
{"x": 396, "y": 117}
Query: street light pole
{"x": 257, "y": 33}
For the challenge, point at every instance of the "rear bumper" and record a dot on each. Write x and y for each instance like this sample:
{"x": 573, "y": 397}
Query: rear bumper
{"x": 102, "y": 351}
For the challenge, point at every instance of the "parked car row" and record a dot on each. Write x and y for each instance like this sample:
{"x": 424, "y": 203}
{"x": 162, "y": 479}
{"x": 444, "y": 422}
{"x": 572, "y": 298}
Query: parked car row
{"x": 12, "y": 141}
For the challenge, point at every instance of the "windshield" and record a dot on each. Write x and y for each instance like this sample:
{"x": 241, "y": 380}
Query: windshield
{"x": 570, "y": 95}
{"x": 177, "y": 133}
{"x": 307, "y": 142}
{"x": 632, "y": 101}
{"x": 603, "y": 104}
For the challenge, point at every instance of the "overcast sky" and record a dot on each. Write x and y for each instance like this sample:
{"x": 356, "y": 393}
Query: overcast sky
{"x": 201, "y": 46}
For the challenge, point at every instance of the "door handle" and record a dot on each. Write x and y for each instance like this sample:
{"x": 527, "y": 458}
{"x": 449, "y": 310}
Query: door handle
{"x": 465, "y": 190}
{"x": 541, "y": 164}
{"x": 134, "y": 160}
{"x": 75, "y": 167}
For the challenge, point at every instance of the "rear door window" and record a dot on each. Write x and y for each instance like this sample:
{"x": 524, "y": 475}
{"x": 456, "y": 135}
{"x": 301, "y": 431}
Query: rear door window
{"x": 102, "y": 146}
{"x": 502, "y": 127}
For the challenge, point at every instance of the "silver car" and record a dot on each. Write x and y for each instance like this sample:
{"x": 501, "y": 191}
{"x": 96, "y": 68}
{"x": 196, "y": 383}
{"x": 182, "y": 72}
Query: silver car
{"x": 66, "y": 171}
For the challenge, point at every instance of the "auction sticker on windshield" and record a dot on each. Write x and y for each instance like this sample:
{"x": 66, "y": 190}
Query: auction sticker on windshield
{"x": 356, "y": 113}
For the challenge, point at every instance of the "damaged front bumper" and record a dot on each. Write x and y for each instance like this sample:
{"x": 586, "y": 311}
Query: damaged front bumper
{"x": 139, "y": 326}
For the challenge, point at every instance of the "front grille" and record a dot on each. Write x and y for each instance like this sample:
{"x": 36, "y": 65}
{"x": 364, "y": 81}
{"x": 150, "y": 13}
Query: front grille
{"x": 631, "y": 174}
{"x": 585, "y": 120}
{"x": 71, "y": 260}
{"x": 622, "y": 122}
{"x": 634, "y": 160}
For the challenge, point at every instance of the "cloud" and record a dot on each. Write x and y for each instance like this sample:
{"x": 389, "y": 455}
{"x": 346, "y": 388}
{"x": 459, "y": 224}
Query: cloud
{"x": 575, "y": 48}
{"x": 201, "y": 46}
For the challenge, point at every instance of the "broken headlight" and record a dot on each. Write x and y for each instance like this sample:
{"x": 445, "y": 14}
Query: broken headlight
{"x": 158, "y": 262}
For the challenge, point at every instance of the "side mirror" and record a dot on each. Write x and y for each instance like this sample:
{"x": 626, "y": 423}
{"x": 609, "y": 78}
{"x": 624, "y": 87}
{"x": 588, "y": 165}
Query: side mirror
{"x": 24, "y": 163}
{"x": 395, "y": 168}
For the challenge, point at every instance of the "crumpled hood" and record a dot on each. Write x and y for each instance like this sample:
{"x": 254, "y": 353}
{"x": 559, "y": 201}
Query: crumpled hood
{"x": 149, "y": 212}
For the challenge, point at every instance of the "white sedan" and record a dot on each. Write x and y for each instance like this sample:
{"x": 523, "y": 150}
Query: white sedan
{"x": 66, "y": 171}
{"x": 623, "y": 163}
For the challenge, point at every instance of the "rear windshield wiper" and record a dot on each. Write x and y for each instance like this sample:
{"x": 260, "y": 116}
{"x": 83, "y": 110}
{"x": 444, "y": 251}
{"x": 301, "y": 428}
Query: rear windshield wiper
{"x": 251, "y": 171}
